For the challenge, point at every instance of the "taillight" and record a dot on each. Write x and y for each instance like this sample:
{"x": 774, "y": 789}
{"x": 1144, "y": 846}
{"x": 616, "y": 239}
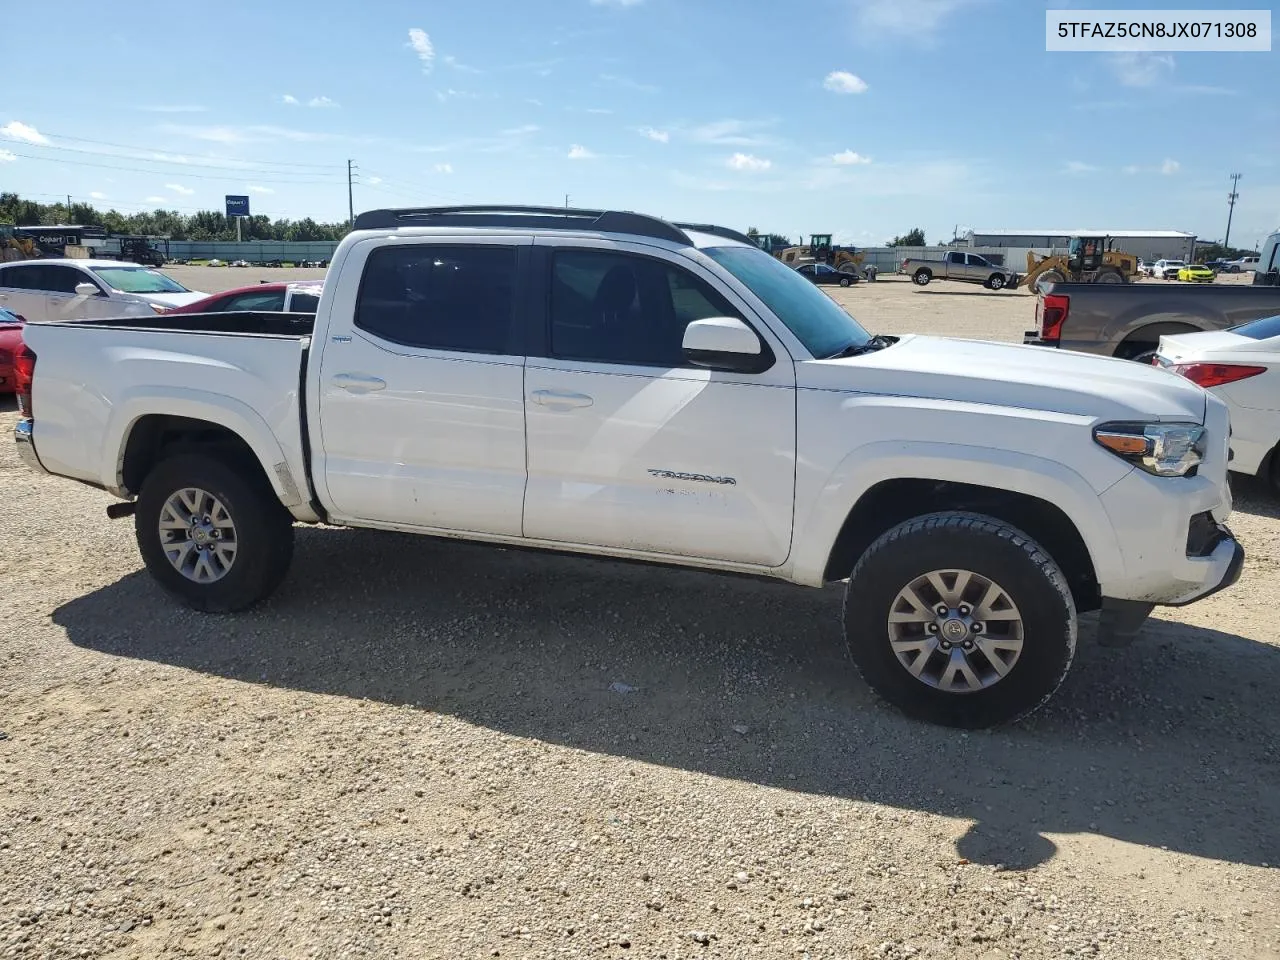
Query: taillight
{"x": 1215, "y": 374}
{"x": 24, "y": 371}
{"x": 1052, "y": 310}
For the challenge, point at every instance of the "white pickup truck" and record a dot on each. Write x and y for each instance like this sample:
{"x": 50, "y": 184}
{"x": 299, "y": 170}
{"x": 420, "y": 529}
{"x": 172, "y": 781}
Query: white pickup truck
{"x": 614, "y": 384}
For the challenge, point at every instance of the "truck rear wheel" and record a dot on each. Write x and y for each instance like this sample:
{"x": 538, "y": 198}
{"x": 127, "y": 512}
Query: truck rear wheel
{"x": 212, "y": 532}
{"x": 960, "y": 619}
{"x": 922, "y": 277}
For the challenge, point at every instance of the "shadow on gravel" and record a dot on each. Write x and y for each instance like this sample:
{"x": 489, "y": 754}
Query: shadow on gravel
{"x": 1251, "y": 495}
{"x": 978, "y": 292}
{"x": 1169, "y": 743}
{"x": 8, "y": 403}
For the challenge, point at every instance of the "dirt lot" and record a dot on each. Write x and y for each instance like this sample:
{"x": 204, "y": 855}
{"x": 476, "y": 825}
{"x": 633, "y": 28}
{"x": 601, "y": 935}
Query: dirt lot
{"x": 416, "y": 749}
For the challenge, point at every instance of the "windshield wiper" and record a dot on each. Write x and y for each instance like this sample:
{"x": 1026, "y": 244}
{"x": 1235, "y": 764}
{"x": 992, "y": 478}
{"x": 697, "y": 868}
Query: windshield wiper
{"x": 878, "y": 342}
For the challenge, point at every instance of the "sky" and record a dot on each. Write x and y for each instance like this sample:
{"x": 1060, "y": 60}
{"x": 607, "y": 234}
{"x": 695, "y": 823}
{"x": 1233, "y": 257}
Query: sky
{"x": 861, "y": 118}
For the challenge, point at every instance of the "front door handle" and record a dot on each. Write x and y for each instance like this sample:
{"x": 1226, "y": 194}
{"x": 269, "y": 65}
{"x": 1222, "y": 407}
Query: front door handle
{"x": 356, "y": 383}
{"x": 560, "y": 399}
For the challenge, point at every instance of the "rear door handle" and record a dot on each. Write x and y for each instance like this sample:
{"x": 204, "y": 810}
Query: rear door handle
{"x": 560, "y": 399}
{"x": 355, "y": 383}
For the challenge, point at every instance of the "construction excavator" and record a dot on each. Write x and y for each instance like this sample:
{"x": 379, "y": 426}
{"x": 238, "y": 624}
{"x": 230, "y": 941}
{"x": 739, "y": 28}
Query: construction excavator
{"x": 821, "y": 250}
{"x": 1088, "y": 260}
{"x": 14, "y": 246}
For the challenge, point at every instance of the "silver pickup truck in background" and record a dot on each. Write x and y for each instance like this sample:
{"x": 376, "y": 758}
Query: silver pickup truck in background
{"x": 958, "y": 265}
{"x": 1127, "y": 320}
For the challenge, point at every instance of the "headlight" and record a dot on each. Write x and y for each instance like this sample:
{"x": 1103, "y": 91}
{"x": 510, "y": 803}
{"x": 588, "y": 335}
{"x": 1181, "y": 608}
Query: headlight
{"x": 1161, "y": 449}
{"x": 159, "y": 308}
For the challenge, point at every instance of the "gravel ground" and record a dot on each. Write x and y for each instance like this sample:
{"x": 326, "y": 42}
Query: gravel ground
{"x": 430, "y": 749}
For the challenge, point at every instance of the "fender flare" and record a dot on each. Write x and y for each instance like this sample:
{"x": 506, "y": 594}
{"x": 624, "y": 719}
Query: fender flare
{"x": 218, "y": 409}
{"x": 995, "y": 469}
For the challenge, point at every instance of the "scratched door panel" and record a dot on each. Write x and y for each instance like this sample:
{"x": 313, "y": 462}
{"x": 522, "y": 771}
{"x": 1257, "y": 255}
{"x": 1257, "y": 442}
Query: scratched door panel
{"x": 683, "y": 462}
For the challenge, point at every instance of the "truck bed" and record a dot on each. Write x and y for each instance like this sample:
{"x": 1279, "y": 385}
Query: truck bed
{"x": 1103, "y": 316}
{"x": 96, "y": 378}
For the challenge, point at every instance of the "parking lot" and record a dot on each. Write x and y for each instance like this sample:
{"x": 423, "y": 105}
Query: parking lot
{"x": 427, "y": 748}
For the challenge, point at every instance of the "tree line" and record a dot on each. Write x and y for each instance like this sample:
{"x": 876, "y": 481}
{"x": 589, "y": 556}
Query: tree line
{"x": 204, "y": 225}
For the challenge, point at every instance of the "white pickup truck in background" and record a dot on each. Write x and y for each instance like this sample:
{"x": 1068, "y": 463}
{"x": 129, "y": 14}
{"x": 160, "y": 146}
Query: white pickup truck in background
{"x": 614, "y": 384}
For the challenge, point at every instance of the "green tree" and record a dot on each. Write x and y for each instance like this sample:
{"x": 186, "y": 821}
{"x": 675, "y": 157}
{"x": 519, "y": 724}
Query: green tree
{"x": 912, "y": 238}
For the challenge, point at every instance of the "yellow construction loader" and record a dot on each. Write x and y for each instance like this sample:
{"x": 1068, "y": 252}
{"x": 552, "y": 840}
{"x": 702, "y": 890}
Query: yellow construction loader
{"x": 821, "y": 250}
{"x": 1088, "y": 260}
{"x": 15, "y": 247}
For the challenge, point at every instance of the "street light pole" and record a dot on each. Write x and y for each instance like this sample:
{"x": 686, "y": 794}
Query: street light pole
{"x": 1231, "y": 207}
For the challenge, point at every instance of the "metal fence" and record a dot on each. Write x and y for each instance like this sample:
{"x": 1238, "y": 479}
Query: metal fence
{"x": 887, "y": 259}
{"x": 255, "y": 251}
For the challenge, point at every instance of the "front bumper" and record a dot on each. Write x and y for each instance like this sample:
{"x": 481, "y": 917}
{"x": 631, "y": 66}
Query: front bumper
{"x": 24, "y": 437}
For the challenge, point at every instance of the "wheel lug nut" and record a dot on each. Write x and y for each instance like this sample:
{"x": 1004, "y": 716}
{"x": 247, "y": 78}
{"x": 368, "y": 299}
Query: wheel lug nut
{"x": 964, "y": 611}
{"x": 975, "y": 627}
{"x": 933, "y": 628}
{"x": 942, "y": 610}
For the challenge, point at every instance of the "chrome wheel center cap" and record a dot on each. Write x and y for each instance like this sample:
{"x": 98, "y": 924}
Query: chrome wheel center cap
{"x": 955, "y": 630}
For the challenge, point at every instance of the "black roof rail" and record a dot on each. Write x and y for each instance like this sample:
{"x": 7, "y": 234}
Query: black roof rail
{"x": 715, "y": 231}
{"x": 547, "y": 218}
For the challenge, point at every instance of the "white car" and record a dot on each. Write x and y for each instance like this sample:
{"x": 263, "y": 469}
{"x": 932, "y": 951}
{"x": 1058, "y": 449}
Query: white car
{"x": 1167, "y": 269}
{"x": 72, "y": 289}
{"x": 1243, "y": 265}
{"x": 1242, "y": 367}
{"x": 618, "y": 385}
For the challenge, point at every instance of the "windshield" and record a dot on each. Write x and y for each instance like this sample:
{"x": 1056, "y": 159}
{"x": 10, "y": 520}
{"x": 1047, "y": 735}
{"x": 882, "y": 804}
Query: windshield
{"x": 138, "y": 280}
{"x": 817, "y": 321}
{"x": 1263, "y": 329}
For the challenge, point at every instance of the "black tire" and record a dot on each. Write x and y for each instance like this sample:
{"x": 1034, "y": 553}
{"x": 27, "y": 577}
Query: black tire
{"x": 996, "y": 281}
{"x": 263, "y": 528}
{"x": 989, "y": 548}
{"x": 1109, "y": 276}
{"x": 845, "y": 282}
{"x": 1139, "y": 351}
{"x": 922, "y": 277}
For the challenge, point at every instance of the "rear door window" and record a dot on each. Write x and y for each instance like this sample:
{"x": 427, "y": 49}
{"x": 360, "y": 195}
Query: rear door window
{"x": 304, "y": 302}
{"x": 57, "y": 279}
{"x": 257, "y": 300}
{"x": 1263, "y": 329}
{"x": 459, "y": 298}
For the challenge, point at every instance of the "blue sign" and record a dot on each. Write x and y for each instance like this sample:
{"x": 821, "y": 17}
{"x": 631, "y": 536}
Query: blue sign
{"x": 237, "y": 206}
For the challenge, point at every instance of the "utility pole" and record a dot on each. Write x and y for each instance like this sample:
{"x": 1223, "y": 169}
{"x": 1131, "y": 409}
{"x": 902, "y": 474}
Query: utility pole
{"x": 566, "y": 201}
{"x": 351, "y": 205}
{"x": 1231, "y": 207}
{"x": 68, "y": 208}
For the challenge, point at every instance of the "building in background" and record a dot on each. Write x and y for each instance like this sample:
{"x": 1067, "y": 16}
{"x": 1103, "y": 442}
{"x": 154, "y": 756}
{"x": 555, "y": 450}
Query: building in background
{"x": 1146, "y": 244}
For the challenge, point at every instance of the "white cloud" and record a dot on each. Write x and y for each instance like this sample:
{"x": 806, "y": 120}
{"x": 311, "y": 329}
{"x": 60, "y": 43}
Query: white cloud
{"x": 16, "y": 130}
{"x": 1142, "y": 69}
{"x": 661, "y": 136}
{"x": 1170, "y": 167}
{"x": 521, "y": 130}
{"x": 458, "y": 65}
{"x": 616, "y": 3}
{"x": 321, "y": 102}
{"x": 730, "y": 133}
{"x": 748, "y": 162}
{"x": 179, "y": 189}
{"x": 290, "y": 99}
{"x": 257, "y": 189}
{"x": 914, "y": 19}
{"x": 97, "y": 195}
{"x": 848, "y": 158}
{"x": 1079, "y": 166}
{"x": 625, "y": 82}
{"x": 170, "y": 157}
{"x": 579, "y": 152}
{"x": 842, "y": 81}
{"x": 1132, "y": 169}
{"x": 443, "y": 168}
{"x": 604, "y": 111}
{"x": 153, "y": 200}
{"x": 421, "y": 44}
{"x": 7, "y": 156}
{"x": 258, "y": 133}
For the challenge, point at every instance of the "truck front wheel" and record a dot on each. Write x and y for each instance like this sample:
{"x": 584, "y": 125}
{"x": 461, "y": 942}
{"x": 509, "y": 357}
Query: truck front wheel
{"x": 922, "y": 277}
{"x": 960, "y": 619}
{"x": 212, "y": 532}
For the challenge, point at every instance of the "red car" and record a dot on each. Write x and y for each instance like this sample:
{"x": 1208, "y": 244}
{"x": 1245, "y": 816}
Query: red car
{"x": 10, "y": 346}
{"x": 299, "y": 296}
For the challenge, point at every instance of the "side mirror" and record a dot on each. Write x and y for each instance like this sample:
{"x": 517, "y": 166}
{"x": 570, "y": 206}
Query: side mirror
{"x": 87, "y": 289}
{"x": 725, "y": 343}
